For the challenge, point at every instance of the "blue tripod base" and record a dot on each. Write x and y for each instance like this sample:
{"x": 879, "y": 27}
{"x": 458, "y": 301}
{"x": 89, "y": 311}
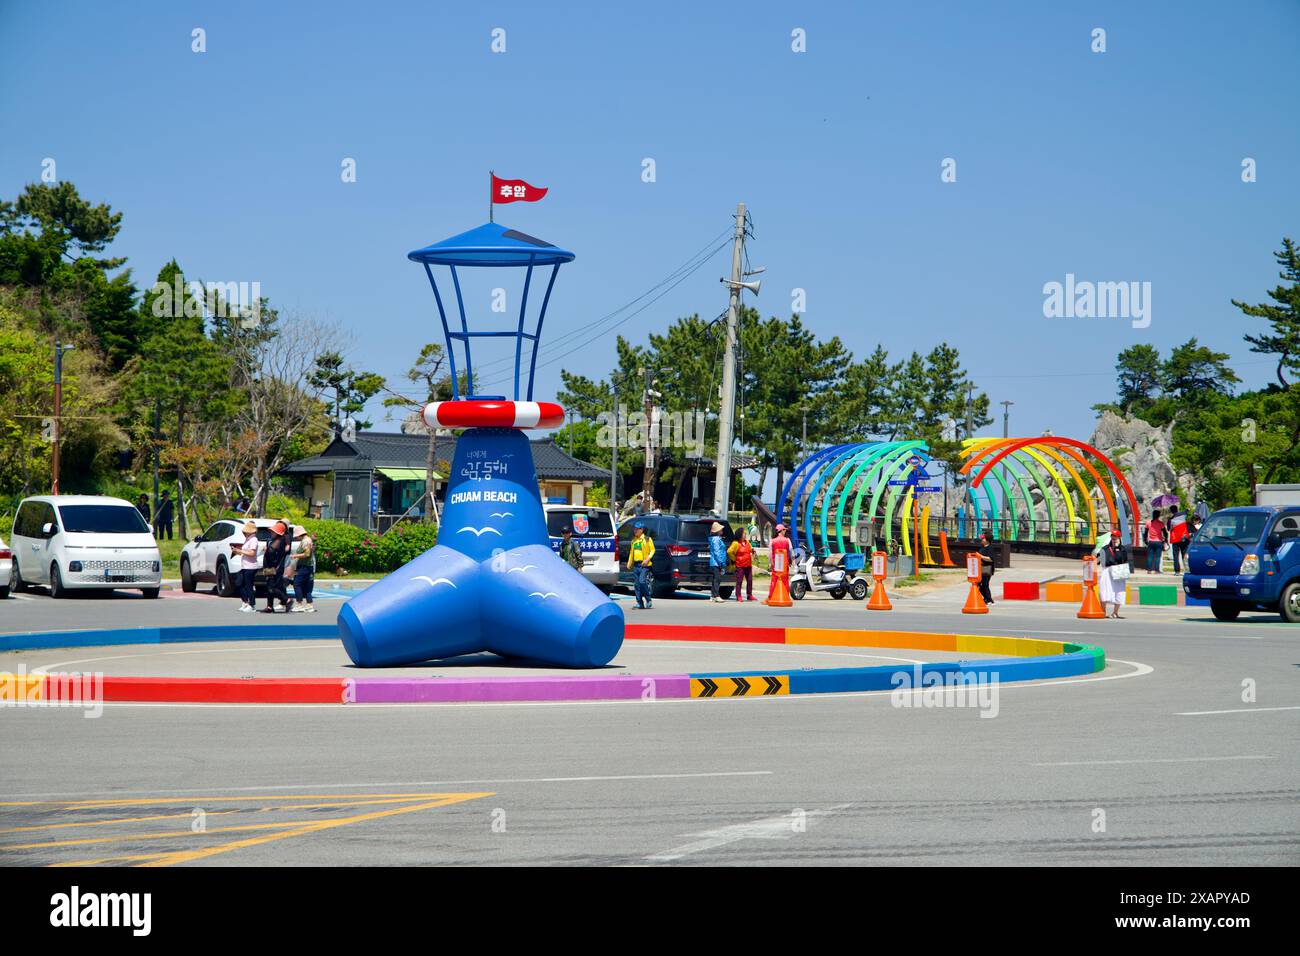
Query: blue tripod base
{"x": 492, "y": 583}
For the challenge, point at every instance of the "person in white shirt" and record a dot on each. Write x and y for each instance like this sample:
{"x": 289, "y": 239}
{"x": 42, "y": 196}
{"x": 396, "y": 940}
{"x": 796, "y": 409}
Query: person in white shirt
{"x": 249, "y": 565}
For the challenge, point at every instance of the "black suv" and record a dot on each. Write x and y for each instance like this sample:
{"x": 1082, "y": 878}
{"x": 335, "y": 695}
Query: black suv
{"x": 681, "y": 552}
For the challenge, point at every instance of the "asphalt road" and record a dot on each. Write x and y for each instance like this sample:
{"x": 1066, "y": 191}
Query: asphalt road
{"x": 1158, "y": 760}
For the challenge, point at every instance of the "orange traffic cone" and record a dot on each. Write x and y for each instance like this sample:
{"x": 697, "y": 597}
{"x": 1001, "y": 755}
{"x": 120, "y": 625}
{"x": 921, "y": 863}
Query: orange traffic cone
{"x": 1091, "y": 608}
{"x": 879, "y": 599}
{"x": 974, "y": 600}
{"x": 778, "y": 593}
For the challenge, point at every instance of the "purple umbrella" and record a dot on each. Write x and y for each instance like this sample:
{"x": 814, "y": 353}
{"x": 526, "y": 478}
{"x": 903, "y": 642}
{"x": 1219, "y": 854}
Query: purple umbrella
{"x": 1162, "y": 501}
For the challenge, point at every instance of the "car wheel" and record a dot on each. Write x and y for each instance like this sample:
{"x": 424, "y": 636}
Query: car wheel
{"x": 859, "y": 590}
{"x": 798, "y": 589}
{"x": 225, "y": 587}
{"x": 1225, "y": 610}
{"x": 57, "y": 590}
{"x": 19, "y": 584}
{"x": 187, "y": 579}
{"x": 725, "y": 593}
{"x": 149, "y": 593}
{"x": 1289, "y": 605}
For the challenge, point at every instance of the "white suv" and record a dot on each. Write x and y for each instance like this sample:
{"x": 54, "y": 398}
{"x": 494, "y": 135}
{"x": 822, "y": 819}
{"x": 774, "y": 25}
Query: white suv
{"x": 6, "y": 569}
{"x": 593, "y": 529}
{"x": 76, "y": 542}
{"x": 207, "y": 558}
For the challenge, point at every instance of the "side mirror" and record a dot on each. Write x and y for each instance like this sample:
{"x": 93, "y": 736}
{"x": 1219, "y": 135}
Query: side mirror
{"x": 47, "y": 530}
{"x": 196, "y": 540}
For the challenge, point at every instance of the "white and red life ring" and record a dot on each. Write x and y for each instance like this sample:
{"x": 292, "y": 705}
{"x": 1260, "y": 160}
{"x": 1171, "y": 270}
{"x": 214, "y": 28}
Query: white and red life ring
{"x": 480, "y": 413}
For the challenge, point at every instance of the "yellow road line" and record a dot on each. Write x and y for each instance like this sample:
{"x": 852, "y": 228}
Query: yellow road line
{"x": 192, "y": 855}
{"x": 100, "y": 823}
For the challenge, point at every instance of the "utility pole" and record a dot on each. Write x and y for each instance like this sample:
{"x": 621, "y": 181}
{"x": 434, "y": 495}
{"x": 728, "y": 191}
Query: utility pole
{"x": 648, "y": 396}
{"x": 157, "y": 438}
{"x": 803, "y": 440}
{"x": 1006, "y": 417}
{"x": 727, "y": 414}
{"x": 59, "y": 349}
{"x": 570, "y": 430}
{"x": 970, "y": 410}
{"x": 613, "y": 452}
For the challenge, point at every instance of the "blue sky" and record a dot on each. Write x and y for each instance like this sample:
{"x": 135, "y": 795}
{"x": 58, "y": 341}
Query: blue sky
{"x": 1119, "y": 166}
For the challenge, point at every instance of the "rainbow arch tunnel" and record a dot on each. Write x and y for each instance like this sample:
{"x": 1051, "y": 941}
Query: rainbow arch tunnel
{"x": 840, "y": 485}
{"x": 1030, "y": 461}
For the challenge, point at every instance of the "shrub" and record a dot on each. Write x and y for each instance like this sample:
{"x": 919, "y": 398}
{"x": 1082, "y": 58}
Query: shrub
{"x": 343, "y": 546}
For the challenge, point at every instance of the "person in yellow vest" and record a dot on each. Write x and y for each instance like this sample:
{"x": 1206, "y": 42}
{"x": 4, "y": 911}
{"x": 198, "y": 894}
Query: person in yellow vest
{"x": 639, "y": 555}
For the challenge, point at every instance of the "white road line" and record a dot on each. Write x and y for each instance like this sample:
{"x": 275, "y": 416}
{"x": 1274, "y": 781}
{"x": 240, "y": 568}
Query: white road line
{"x": 404, "y": 783}
{"x": 771, "y": 828}
{"x": 210, "y": 650}
{"x": 1103, "y": 763}
{"x": 1242, "y": 710}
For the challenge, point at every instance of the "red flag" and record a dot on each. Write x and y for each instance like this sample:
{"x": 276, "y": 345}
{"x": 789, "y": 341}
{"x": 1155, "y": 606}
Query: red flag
{"x": 515, "y": 190}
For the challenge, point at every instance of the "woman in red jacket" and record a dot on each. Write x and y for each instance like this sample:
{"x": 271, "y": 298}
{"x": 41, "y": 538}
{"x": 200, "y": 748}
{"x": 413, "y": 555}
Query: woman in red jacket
{"x": 742, "y": 554}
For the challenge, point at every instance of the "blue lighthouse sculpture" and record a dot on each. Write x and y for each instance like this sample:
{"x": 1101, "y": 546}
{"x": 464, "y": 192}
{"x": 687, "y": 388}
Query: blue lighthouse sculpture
{"x": 492, "y": 583}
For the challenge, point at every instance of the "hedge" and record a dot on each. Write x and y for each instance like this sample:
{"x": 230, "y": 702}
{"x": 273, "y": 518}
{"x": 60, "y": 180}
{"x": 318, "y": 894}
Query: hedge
{"x": 345, "y": 548}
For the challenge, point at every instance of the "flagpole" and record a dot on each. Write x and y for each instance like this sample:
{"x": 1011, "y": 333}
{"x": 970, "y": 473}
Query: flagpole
{"x": 490, "y": 175}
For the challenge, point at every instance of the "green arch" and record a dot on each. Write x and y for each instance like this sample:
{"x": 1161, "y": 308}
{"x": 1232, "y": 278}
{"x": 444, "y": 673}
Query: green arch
{"x": 859, "y": 462}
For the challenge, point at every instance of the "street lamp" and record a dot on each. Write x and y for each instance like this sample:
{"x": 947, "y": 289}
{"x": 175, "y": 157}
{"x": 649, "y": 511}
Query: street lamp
{"x": 59, "y": 349}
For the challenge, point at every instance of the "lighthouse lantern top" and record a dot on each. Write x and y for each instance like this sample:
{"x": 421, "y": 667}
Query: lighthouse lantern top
{"x": 491, "y": 245}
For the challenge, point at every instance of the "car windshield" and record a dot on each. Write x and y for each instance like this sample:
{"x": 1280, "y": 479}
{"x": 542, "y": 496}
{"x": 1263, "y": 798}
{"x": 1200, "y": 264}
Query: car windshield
{"x": 1232, "y": 527}
{"x": 598, "y": 522}
{"x": 102, "y": 519}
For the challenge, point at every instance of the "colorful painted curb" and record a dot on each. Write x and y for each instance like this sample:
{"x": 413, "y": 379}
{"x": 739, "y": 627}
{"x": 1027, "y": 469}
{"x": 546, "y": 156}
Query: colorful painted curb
{"x": 1028, "y": 659}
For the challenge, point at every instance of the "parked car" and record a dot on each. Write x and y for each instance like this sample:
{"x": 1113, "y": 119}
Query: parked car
{"x": 6, "y": 569}
{"x": 206, "y": 559}
{"x": 681, "y": 552}
{"x": 82, "y": 542}
{"x": 593, "y": 529}
{"x": 1247, "y": 559}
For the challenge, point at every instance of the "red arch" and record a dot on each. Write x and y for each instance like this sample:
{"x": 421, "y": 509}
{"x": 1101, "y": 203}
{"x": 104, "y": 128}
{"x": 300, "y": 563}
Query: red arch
{"x": 1017, "y": 444}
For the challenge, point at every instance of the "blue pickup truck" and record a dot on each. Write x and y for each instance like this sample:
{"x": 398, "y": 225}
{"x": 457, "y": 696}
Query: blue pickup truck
{"x": 1247, "y": 559}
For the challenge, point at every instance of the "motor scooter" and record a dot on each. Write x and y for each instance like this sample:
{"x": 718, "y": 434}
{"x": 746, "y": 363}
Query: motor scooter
{"x": 836, "y": 573}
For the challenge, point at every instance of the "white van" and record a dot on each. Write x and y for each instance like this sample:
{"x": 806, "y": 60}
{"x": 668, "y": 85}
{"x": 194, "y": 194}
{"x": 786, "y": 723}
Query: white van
{"x": 76, "y": 542}
{"x": 593, "y": 529}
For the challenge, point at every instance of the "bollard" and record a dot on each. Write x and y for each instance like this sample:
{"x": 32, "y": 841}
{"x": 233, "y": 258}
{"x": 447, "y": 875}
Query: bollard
{"x": 879, "y": 599}
{"x": 778, "y": 592}
{"x": 943, "y": 548}
{"x": 1091, "y": 608}
{"x": 974, "y": 600}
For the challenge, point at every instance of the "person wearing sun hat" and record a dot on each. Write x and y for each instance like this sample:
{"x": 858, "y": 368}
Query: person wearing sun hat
{"x": 248, "y": 565}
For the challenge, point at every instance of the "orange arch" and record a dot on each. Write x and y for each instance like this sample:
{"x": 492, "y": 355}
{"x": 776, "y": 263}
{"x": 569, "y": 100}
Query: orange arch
{"x": 1009, "y": 445}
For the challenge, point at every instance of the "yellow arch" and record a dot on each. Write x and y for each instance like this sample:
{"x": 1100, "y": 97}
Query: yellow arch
{"x": 985, "y": 444}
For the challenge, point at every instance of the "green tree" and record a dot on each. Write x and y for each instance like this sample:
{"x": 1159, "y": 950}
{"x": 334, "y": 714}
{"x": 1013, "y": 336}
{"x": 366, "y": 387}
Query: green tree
{"x": 1138, "y": 376}
{"x": 1283, "y": 315}
{"x": 352, "y": 389}
{"x": 1193, "y": 372}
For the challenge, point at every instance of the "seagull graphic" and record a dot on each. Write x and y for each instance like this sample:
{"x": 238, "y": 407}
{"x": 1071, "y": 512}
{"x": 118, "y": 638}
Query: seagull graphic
{"x": 479, "y": 532}
{"x": 503, "y": 514}
{"x": 548, "y": 594}
{"x": 433, "y": 582}
{"x": 524, "y": 568}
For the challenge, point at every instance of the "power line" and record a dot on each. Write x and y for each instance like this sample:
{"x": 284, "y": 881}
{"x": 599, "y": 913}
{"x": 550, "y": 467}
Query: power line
{"x": 569, "y": 351}
{"x": 708, "y": 250}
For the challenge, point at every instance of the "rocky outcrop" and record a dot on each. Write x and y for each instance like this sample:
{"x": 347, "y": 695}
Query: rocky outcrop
{"x": 1142, "y": 451}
